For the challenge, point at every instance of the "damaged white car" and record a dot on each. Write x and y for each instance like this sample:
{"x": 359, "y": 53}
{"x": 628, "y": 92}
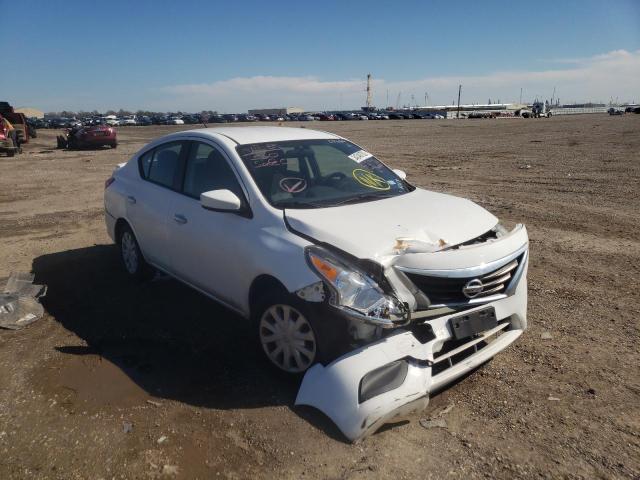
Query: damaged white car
{"x": 381, "y": 292}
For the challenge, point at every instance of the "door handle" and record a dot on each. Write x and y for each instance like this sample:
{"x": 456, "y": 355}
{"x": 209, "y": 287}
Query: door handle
{"x": 131, "y": 199}
{"x": 181, "y": 219}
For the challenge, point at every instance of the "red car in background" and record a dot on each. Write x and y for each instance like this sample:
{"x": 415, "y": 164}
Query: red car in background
{"x": 92, "y": 136}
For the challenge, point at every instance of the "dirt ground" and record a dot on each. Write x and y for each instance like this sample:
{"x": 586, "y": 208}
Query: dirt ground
{"x": 122, "y": 380}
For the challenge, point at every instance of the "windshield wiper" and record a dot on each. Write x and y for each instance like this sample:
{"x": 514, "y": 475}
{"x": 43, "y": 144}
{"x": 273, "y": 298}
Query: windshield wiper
{"x": 360, "y": 198}
{"x": 299, "y": 204}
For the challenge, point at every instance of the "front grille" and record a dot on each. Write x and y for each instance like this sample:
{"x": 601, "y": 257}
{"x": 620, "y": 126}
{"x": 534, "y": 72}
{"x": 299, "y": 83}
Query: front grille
{"x": 455, "y": 351}
{"x": 446, "y": 290}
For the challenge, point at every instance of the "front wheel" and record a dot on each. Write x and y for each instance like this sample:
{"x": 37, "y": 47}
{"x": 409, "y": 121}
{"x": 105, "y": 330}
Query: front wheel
{"x": 287, "y": 338}
{"x": 294, "y": 336}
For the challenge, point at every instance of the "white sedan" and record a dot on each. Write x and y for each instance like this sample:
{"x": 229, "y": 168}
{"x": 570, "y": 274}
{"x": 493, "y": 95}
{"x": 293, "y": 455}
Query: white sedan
{"x": 380, "y": 291}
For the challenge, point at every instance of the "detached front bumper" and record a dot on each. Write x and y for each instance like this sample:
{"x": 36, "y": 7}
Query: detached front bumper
{"x": 407, "y": 369}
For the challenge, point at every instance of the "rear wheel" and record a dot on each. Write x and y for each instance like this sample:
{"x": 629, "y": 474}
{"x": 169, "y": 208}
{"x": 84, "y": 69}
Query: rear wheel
{"x": 131, "y": 256}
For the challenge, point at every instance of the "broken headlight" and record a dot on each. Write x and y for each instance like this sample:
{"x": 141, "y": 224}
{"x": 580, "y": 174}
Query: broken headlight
{"x": 354, "y": 292}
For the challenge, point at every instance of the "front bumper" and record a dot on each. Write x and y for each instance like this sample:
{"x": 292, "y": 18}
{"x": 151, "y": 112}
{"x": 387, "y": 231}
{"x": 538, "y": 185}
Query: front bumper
{"x": 334, "y": 389}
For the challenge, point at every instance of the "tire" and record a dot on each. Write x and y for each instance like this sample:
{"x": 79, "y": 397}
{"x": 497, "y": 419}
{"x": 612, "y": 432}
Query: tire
{"x": 131, "y": 255}
{"x": 309, "y": 338}
{"x": 10, "y": 152}
{"x": 114, "y": 145}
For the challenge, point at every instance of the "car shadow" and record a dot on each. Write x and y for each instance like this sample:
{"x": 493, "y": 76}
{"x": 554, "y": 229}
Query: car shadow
{"x": 170, "y": 340}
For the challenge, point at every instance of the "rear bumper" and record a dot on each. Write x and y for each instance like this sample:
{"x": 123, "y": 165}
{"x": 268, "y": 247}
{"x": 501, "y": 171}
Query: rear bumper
{"x": 110, "y": 223}
{"x": 335, "y": 389}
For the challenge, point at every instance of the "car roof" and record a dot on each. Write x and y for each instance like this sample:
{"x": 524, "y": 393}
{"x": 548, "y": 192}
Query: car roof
{"x": 259, "y": 134}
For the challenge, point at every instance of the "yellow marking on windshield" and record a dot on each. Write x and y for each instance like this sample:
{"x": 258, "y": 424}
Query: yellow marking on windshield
{"x": 370, "y": 179}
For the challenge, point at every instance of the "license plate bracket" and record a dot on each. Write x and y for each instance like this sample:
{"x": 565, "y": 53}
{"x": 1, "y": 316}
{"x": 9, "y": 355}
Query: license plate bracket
{"x": 472, "y": 323}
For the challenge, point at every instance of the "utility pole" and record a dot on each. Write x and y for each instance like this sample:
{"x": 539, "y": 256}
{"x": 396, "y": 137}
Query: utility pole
{"x": 459, "y": 91}
{"x": 520, "y": 94}
{"x": 369, "y": 102}
{"x": 387, "y": 98}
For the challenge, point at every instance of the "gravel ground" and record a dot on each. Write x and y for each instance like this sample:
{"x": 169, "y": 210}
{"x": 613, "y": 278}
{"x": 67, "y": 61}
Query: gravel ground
{"x": 120, "y": 380}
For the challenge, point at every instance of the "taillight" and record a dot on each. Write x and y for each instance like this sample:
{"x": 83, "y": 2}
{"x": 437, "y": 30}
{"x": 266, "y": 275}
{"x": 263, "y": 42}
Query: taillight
{"x": 108, "y": 182}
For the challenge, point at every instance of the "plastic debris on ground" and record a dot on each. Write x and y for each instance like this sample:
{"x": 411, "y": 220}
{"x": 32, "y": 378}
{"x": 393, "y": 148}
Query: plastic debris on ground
{"x": 20, "y": 301}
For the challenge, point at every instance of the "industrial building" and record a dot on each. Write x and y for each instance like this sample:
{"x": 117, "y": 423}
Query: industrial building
{"x": 276, "y": 111}
{"x": 497, "y": 109}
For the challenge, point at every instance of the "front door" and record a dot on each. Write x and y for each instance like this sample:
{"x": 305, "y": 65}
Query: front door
{"x": 209, "y": 247}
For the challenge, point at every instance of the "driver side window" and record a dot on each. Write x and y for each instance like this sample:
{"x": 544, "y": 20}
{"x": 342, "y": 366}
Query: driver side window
{"x": 207, "y": 169}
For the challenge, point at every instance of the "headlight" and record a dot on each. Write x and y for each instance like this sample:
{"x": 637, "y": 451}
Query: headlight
{"x": 356, "y": 293}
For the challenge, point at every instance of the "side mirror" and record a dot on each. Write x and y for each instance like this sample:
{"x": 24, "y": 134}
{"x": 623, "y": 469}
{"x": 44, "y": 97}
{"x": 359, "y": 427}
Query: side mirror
{"x": 401, "y": 173}
{"x": 220, "y": 200}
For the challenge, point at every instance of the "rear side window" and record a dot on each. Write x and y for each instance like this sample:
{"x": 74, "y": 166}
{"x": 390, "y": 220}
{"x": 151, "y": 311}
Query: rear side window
{"x": 162, "y": 164}
{"x": 145, "y": 164}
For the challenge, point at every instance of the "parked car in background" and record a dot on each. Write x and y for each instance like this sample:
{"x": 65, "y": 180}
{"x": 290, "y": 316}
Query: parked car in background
{"x": 175, "y": 121}
{"x": 19, "y": 123}
{"x": 230, "y": 117}
{"x": 8, "y": 144}
{"x": 129, "y": 121}
{"x": 88, "y": 137}
{"x": 217, "y": 119}
{"x": 615, "y": 111}
{"x": 32, "y": 131}
{"x": 274, "y": 223}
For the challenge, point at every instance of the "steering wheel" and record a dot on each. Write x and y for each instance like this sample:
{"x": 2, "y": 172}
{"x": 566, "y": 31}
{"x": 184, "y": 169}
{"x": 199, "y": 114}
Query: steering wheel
{"x": 335, "y": 176}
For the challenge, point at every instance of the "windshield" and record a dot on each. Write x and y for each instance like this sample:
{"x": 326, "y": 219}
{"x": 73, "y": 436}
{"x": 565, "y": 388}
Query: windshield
{"x": 319, "y": 173}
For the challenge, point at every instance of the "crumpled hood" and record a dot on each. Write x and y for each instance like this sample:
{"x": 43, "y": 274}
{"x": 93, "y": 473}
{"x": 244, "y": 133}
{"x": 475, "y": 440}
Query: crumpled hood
{"x": 372, "y": 229}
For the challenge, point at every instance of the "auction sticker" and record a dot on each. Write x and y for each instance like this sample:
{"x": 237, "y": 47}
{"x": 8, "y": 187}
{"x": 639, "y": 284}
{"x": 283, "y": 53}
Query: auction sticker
{"x": 370, "y": 179}
{"x": 359, "y": 156}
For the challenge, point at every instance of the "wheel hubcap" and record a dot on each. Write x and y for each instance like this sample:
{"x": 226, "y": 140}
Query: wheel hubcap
{"x": 287, "y": 338}
{"x": 129, "y": 252}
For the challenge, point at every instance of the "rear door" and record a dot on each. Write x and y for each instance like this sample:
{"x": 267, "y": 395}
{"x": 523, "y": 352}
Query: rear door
{"x": 149, "y": 203}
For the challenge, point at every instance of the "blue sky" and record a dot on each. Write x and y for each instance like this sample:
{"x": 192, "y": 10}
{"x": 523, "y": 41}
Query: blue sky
{"x": 234, "y": 55}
